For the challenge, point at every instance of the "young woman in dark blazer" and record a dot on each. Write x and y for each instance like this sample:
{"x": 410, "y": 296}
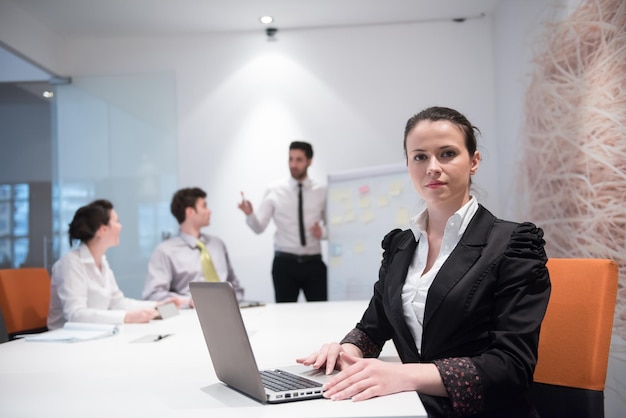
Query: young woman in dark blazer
{"x": 461, "y": 293}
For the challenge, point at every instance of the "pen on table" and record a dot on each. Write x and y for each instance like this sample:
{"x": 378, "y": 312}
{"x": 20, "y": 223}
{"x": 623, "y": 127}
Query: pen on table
{"x": 161, "y": 336}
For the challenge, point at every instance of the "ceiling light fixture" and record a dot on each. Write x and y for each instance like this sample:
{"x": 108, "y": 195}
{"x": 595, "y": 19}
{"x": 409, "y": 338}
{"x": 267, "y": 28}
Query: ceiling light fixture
{"x": 271, "y": 33}
{"x": 48, "y": 94}
{"x": 266, "y": 19}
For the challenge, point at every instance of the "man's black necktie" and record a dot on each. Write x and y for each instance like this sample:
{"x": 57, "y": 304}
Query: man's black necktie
{"x": 301, "y": 216}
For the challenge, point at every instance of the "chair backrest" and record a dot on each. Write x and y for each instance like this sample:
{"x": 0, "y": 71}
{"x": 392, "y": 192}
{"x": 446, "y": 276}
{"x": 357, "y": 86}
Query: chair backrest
{"x": 575, "y": 337}
{"x": 24, "y": 299}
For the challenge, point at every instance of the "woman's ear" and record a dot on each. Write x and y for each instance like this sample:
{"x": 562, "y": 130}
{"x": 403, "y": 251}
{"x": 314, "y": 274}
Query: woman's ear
{"x": 101, "y": 230}
{"x": 475, "y": 162}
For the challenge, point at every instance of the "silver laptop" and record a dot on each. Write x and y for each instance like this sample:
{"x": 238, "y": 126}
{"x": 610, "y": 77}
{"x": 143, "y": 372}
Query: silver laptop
{"x": 233, "y": 360}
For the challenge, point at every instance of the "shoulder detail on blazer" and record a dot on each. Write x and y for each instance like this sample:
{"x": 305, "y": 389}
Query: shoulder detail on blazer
{"x": 395, "y": 241}
{"x": 397, "y": 238}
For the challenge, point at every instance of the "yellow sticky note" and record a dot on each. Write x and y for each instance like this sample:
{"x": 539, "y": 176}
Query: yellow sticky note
{"x": 335, "y": 261}
{"x": 402, "y": 217}
{"x": 335, "y": 195}
{"x": 367, "y": 216}
{"x": 358, "y": 248}
{"x": 395, "y": 189}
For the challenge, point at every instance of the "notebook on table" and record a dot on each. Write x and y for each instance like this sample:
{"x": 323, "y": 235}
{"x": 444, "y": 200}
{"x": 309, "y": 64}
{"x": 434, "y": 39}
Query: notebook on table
{"x": 231, "y": 353}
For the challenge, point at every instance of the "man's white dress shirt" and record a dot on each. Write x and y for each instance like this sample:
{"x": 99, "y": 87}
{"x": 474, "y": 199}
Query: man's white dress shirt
{"x": 280, "y": 203}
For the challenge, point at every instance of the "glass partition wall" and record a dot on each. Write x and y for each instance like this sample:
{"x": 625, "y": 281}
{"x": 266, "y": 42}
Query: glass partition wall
{"x": 97, "y": 137}
{"x": 25, "y": 174}
{"x": 115, "y": 138}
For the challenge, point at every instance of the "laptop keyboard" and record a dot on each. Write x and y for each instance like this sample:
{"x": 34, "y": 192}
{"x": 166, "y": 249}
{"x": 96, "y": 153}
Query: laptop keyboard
{"x": 279, "y": 380}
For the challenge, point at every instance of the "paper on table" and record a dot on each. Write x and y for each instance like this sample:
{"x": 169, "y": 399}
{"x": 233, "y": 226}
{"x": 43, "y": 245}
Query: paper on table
{"x": 74, "y": 332}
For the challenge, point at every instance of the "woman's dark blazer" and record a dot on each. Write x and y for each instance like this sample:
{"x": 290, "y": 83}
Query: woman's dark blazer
{"x": 482, "y": 315}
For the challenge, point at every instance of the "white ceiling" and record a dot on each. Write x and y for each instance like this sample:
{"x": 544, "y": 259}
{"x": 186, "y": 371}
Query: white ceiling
{"x": 98, "y": 18}
{"x": 116, "y": 18}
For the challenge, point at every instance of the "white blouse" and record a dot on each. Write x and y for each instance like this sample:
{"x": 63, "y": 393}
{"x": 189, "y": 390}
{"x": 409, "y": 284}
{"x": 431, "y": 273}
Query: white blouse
{"x": 416, "y": 285}
{"x": 80, "y": 292}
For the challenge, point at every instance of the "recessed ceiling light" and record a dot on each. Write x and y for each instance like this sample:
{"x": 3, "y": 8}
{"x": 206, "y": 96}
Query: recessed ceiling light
{"x": 48, "y": 94}
{"x": 266, "y": 19}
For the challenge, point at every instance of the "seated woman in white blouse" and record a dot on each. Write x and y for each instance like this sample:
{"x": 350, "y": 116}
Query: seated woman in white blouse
{"x": 83, "y": 287}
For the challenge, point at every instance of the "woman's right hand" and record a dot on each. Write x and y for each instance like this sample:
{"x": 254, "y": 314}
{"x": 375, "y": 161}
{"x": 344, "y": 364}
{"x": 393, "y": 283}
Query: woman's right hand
{"x": 140, "y": 316}
{"x": 329, "y": 355}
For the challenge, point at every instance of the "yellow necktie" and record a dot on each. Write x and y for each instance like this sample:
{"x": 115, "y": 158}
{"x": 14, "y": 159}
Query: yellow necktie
{"x": 210, "y": 275}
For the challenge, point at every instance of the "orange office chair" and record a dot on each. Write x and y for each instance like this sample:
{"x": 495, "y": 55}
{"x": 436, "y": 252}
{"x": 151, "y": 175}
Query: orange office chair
{"x": 24, "y": 299}
{"x": 575, "y": 338}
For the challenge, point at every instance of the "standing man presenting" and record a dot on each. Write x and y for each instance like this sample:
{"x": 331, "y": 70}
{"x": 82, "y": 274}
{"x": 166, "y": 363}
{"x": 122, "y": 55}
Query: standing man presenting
{"x": 297, "y": 205}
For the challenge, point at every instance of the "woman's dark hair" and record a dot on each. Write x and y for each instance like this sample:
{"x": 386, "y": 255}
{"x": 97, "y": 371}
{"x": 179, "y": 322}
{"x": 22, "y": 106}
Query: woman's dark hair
{"x": 88, "y": 219}
{"x": 185, "y": 198}
{"x": 444, "y": 113}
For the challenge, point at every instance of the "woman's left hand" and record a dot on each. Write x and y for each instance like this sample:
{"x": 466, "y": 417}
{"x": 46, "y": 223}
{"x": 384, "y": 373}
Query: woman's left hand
{"x": 367, "y": 378}
{"x": 179, "y": 302}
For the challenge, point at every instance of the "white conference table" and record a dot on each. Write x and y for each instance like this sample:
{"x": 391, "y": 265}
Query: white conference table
{"x": 174, "y": 377}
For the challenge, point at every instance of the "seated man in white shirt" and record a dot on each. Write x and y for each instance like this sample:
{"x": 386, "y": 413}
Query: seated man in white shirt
{"x": 179, "y": 260}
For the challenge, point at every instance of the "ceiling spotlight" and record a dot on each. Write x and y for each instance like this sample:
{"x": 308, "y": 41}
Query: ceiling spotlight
{"x": 266, "y": 19}
{"x": 48, "y": 94}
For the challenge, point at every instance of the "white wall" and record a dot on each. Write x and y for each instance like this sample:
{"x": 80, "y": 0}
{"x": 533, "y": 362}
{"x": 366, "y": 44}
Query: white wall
{"x": 242, "y": 99}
